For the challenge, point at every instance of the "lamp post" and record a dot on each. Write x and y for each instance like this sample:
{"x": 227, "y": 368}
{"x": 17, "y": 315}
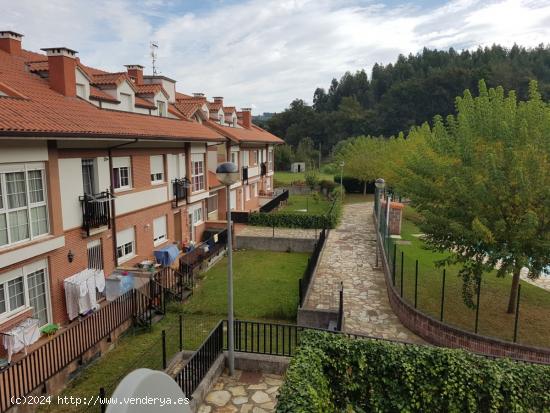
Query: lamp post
{"x": 341, "y": 179}
{"x": 379, "y": 184}
{"x": 228, "y": 174}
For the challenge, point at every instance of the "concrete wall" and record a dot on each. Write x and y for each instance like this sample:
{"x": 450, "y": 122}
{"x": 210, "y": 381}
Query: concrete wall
{"x": 275, "y": 244}
{"x": 316, "y": 318}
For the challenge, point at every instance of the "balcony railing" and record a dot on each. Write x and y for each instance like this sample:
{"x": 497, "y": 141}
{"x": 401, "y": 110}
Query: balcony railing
{"x": 96, "y": 211}
{"x": 245, "y": 173}
{"x": 263, "y": 168}
{"x": 180, "y": 187}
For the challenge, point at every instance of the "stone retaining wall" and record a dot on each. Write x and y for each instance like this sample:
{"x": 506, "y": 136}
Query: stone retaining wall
{"x": 280, "y": 244}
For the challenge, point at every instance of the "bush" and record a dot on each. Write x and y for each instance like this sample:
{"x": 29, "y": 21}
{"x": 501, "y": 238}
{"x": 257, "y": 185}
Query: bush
{"x": 327, "y": 185}
{"x": 312, "y": 178}
{"x": 353, "y": 185}
{"x": 332, "y": 373}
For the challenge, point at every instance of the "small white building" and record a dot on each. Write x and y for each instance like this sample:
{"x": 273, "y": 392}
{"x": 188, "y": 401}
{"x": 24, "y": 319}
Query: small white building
{"x": 298, "y": 167}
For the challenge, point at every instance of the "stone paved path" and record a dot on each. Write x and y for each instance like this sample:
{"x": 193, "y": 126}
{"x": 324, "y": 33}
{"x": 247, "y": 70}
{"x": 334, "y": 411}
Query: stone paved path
{"x": 350, "y": 256}
{"x": 245, "y": 392}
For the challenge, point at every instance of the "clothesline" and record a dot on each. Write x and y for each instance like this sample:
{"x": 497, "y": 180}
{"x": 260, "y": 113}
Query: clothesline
{"x": 80, "y": 291}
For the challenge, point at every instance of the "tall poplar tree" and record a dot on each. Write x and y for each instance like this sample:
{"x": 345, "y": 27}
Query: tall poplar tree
{"x": 481, "y": 180}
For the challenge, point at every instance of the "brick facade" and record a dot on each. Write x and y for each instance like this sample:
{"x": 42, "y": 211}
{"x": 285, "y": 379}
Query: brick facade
{"x": 396, "y": 216}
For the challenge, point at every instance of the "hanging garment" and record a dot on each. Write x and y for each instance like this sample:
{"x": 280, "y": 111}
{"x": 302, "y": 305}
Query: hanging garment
{"x": 100, "y": 280}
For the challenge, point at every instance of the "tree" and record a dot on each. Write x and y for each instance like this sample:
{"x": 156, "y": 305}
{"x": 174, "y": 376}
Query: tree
{"x": 481, "y": 180}
{"x": 306, "y": 152}
{"x": 283, "y": 157}
{"x": 312, "y": 178}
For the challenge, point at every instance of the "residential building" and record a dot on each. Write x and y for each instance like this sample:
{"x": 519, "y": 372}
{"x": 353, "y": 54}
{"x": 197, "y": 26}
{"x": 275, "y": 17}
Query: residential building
{"x": 97, "y": 170}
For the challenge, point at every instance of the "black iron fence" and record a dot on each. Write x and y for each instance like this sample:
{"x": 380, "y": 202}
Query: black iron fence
{"x": 96, "y": 211}
{"x": 179, "y": 285}
{"x": 240, "y": 217}
{"x": 305, "y": 281}
{"x": 275, "y": 202}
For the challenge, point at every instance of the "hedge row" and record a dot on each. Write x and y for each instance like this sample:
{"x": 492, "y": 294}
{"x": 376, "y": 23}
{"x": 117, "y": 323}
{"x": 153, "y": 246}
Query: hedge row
{"x": 298, "y": 220}
{"x": 331, "y": 373}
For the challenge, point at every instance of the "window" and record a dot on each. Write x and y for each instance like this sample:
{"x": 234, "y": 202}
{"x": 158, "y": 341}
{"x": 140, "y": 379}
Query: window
{"x": 81, "y": 91}
{"x": 212, "y": 204}
{"x": 157, "y": 169}
{"x": 161, "y": 107}
{"x": 121, "y": 173}
{"x": 197, "y": 216}
{"x": 245, "y": 158}
{"x": 24, "y": 287}
{"x": 126, "y": 102}
{"x": 159, "y": 230}
{"x": 247, "y": 192}
{"x": 235, "y": 158}
{"x": 88, "y": 176}
{"x": 254, "y": 157}
{"x": 125, "y": 241}
{"x": 23, "y": 211}
{"x": 197, "y": 161}
{"x": 220, "y": 118}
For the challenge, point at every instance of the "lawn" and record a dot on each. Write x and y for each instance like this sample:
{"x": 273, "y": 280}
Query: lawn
{"x": 285, "y": 178}
{"x": 534, "y": 323}
{"x": 265, "y": 286}
{"x": 306, "y": 204}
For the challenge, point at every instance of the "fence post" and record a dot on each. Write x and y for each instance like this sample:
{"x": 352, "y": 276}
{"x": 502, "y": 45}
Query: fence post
{"x": 402, "y": 262}
{"x": 341, "y": 308}
{"x": 442, "y": 294}
{"x": 416, "y": 284}
{"x": 164, "y": 349}
{"x": 102, "y": 401}
{"x": 393, "y": 263}
{"x": 517, "y": 314}
{"x": 477, "y": 304}
{"x": 181, "y": 332}
{"x": 300, "y": 292}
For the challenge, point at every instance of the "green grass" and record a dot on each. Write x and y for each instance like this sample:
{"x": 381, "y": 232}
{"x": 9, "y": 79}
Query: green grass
{"x": 306, "y": 204}
{"x": 265, "y": 286}
{"x": 285, "y": 178}
{"x": 534, "y": 323}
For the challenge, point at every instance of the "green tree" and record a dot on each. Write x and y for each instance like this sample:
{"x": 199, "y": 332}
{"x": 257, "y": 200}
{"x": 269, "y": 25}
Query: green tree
{"x": 284, "y": 156}
{"x": 306, "y": 152}
{"x": 312, "y": 178}
{"x": 481, "y": 180}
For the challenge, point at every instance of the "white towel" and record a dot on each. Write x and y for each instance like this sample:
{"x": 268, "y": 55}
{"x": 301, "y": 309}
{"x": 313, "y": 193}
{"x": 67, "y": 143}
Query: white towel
{"x": 100, "y": 280}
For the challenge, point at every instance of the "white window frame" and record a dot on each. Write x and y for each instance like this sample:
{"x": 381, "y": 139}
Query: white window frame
{"x": 157, "y": 169}
{"x": 160, "y": 230}
{"x": 197, "y": 178}
{"x": 120, "y": 163}
{"x": 5, "y": 210}
{"x": 81, "y": 91}
{"x": 245, "y": 159}
{"x": 197, "y": 216}
{"x": 161, "y": 106}
{"x": 24, "y": 272}
{"x": 123, "y": 241}
{"x": 128, "y": 99}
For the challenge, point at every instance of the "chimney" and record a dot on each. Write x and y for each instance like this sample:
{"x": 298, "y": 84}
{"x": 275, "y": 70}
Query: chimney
{"x": 218, "y": 99}
{"x": 247, "y": 117}
{"x": 61, "y": 67}
{"x": 136, "y": 73}
{"x": 10, "y": 42}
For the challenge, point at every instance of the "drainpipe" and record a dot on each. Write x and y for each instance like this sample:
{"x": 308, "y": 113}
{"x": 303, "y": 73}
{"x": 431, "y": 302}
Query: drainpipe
{"x": 112, "y": 190}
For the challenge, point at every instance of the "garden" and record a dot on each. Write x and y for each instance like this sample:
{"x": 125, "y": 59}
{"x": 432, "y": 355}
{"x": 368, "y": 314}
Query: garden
{"x": 334, "y": 373}
{"x": 265, "y": 288}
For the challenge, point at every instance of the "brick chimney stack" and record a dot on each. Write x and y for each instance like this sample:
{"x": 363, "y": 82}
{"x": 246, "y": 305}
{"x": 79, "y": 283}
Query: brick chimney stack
{"x": 10, "y": 42}
{"x": 247, "y": 117}
{"x": 218, "y": 99}
{"x": 61, "y": 68}
{"x": 136, "y": 73}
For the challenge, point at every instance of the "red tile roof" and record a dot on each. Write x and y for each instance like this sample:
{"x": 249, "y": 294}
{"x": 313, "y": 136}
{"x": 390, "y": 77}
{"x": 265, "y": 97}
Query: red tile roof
{"x": 214, "y": 106}
{"x": 180, "y": 95}
{"x": 229, "y": 109}
{"x": 253, "y": 135}
{"x": 98, "y": 94}
{"x": 144, "y": 103}
{"x": 112, "y": 79}
{"x": 150, "y": 89}
{"x": 47, "y": 112}
{"x": 188, "y": 108}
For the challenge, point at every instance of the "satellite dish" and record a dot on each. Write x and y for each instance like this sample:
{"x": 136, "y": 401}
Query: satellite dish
{"x": 145, "y": 391}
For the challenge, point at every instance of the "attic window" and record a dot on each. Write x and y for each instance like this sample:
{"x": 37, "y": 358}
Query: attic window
{"x": 126, "y": 102}
{"x": 81, "y": 91}
{"x": 220, "y": 117}
{"x": 162, "y": 108}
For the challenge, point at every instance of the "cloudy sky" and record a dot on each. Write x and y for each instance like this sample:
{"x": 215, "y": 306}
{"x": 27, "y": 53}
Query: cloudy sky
{"x": 265, "y": 53}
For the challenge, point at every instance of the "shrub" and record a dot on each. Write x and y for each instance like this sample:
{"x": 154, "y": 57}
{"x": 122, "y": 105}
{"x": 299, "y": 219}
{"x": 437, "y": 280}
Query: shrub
{"x": 332, "y": 373}
{"x": 353, "y": 185}
{"x": 327, "y": 185}
{"x": 312, "y": 178}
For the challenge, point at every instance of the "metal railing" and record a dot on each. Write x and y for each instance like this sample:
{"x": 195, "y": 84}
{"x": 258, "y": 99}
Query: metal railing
{"x": 193, "y": 259}
{"x": 275, "y": 202}
{"x": 180, "y": 188}
{"x": 177, "y": 284}
{"x": 245, "y": 173}
{"x": 305, "y": 281}
{"x": 263, "y": 168}
{"x": 96, "y": 211}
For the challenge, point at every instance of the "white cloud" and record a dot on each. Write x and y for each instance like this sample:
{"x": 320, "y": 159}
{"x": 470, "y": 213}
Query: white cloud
{"x": 266, "y": 53}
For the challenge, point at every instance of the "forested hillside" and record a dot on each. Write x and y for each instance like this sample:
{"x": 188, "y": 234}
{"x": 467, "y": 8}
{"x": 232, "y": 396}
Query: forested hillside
{"x": 408, "y": 92}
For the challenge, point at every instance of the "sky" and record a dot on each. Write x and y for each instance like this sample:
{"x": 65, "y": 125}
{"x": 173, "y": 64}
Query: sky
{"x": 265, "y": 53}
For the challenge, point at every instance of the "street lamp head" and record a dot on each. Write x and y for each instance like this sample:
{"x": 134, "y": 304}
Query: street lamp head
{"x": 380, "y": 183}
{"x": 342, "y": 164}
{"x": 227, "y": 173}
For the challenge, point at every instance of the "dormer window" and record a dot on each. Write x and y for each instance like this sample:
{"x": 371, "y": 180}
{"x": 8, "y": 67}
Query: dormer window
{"x": 81, "y": 91}
{"x": 220, "y": 117}
{"x": 162, "y": 108}
{"x": 126, "y": 102}
{"x": 234, "y": 121}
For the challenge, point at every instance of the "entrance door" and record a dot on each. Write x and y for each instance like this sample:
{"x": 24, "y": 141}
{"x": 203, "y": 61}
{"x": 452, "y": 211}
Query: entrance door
{"x": 177, "y": 227}
{"x": 190, "y": 227}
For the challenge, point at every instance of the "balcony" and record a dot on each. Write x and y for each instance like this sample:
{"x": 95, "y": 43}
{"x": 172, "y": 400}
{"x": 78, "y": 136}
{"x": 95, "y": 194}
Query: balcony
{"x": 263, "y": 168}
{"x": 96, "y": 211}
{"x": 245, "y": 173}
{"x": 180, "y": 188}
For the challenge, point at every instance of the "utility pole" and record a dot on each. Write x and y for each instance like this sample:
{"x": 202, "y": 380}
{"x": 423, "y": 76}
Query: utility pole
{"x": 154, "y": 47}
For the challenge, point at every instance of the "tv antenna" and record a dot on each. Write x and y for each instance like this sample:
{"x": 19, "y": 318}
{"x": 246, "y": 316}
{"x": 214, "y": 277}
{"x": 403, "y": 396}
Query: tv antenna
{"x": 154, "y": 47}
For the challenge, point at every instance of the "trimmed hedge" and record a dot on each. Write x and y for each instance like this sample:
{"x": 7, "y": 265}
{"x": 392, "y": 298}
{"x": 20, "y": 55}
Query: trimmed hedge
{"x": 332, "y": 373}
{"x": 297, "y": 220}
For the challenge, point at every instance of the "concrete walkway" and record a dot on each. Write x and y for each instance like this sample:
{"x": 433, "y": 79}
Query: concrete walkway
{"x": 350, "y": 256}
